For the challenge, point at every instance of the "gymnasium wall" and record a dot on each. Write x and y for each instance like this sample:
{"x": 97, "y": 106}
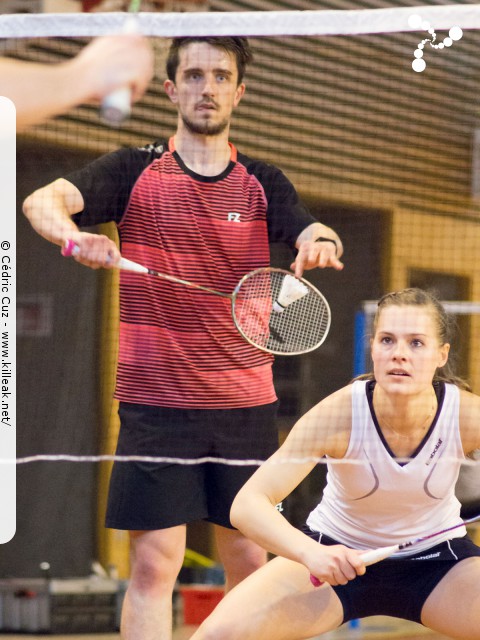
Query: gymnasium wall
{"x": 380, "y": 153}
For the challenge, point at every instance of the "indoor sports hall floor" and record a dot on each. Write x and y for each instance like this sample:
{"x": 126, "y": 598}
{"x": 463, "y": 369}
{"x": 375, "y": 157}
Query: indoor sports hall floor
{"x": 377, "y": 628}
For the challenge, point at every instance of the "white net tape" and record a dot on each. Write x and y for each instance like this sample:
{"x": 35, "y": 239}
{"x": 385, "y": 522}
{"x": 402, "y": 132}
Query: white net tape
{"x": 257, "y": 23}
{"x": 65, "y": 457}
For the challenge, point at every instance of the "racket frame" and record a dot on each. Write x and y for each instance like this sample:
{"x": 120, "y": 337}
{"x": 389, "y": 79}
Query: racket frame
{"x": 71, "y": 249}
{"x": 376, "y": 555}
{"x": 310, "y": 287}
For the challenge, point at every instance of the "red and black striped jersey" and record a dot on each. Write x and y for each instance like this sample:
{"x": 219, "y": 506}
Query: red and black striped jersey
{"x": 178, "y": 345}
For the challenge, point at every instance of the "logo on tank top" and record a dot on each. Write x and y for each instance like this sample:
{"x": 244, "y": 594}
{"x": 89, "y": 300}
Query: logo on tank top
{"x": 232, "y": 216}
{"x": 434, "y": 452}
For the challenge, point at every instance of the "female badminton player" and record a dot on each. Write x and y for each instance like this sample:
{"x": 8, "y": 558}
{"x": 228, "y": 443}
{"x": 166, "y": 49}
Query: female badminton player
{"x": 394, "y": 442}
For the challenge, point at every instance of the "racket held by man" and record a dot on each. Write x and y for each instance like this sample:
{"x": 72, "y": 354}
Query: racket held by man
{"x": 271, "y": 308}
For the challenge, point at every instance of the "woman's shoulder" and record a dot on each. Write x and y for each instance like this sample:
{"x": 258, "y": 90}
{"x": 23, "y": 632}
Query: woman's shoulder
{"x": 340, "y": 397}
{"x": 334, "y": 409}
{"x": 469, "y": 420}
{"x": 467, "y": 398}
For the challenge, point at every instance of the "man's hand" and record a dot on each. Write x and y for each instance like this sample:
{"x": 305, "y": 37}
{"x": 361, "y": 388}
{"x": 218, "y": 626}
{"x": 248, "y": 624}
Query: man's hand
{"x": 313, "y": 254}
{"x": 94, "y": 251}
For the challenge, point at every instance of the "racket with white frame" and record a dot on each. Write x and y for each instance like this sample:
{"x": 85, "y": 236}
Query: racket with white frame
{"x": 375, "y": 555}
{"x": 271, "y": 308}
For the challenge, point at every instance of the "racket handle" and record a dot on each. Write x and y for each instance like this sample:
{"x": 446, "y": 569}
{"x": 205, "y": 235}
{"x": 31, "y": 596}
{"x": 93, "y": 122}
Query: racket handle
{"x": 117, "y": 106}
{"x": 368, "y": 557}
{"x": 71, "y": 248}
{"x": 129, "y": 265}
{"x": 315, "y": 581}
{"x": 375, "y": 555}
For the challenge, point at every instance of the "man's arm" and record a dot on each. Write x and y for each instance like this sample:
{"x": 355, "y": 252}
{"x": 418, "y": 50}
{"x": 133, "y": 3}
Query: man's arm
{"x": 40, "y": 91}
{"x": 50, "y": 212}
{"x": 291, "y": 222}
{"x": 318, "y": 246}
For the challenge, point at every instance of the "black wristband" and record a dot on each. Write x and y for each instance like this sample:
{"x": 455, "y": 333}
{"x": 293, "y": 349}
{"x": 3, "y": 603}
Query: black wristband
{"x": 328, "y": 240}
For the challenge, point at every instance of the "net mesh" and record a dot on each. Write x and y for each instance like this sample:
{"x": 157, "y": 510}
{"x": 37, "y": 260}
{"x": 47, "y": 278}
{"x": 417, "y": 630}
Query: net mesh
{"x": 385, "y": 155}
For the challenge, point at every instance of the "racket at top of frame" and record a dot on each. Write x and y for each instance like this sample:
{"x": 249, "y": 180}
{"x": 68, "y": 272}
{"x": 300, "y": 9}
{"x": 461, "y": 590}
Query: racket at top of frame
{"x": 116, "y": 107}
{"x": 271, "y": 308}
{"x": 375, "y": 555}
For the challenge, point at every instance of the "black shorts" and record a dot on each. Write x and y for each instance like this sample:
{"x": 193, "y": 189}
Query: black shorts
{"x": 150, "y": 495}
{"x": 399, "y": 587}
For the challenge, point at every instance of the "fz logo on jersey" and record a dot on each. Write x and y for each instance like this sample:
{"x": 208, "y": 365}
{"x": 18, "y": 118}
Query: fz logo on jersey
{"x": 232, "y": 216}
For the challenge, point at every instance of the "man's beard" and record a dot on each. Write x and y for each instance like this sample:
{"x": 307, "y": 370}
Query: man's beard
{"x": 205, "y": 128}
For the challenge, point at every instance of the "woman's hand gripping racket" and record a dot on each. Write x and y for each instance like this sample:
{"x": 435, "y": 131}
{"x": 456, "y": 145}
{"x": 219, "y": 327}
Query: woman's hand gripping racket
{"x": 271, "y": 308}
{"x": 375, "y": 555}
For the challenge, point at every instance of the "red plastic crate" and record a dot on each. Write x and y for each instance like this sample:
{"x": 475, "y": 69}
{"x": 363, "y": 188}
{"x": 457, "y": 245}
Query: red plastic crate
{"x": 199, "y": 601}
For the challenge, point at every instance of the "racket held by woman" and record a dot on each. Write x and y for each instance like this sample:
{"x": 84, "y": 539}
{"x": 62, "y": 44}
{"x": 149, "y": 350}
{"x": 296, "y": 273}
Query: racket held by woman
{"x": 375, "y": 555}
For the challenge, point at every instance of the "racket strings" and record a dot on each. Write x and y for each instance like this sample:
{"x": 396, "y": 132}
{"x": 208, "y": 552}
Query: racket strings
{"x": 252, "y": 308}
{"x": 298, "y": 326}
{"x": 302, "y": 325}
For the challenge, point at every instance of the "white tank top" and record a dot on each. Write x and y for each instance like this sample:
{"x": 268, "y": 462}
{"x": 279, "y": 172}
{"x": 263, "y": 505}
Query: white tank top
{"x": 376, "y": 501}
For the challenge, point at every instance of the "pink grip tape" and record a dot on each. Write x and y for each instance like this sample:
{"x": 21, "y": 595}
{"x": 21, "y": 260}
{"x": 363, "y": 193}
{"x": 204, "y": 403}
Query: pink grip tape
{"x": 69, "y": 248}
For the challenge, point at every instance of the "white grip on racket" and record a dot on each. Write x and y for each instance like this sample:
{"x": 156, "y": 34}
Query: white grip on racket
{"x": 375, "y": 555}
{"x": 129, "y": 265}
{"x": 70, "y": 248}
{"x": 368, "y": 557}
{"x": 116, "y": 107}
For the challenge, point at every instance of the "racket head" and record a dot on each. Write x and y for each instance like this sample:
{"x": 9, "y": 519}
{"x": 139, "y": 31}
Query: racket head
{"x": 291, "y": 328}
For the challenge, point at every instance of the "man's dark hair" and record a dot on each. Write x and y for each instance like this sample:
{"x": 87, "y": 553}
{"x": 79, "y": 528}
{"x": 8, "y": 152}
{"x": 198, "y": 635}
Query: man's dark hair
{"x": 236, "y": 45}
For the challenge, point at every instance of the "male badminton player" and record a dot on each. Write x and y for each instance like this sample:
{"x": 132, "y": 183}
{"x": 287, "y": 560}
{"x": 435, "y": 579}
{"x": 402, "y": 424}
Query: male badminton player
{"x": 40, "y": 91}
{"x": 405, "y": 430}
{"x": 189, "y": 385}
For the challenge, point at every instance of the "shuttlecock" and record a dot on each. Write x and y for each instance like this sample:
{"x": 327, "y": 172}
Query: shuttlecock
{"x": 290, "y": 291}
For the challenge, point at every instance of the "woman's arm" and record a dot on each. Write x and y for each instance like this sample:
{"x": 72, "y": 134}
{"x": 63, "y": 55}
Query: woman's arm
{"x": 323, "y": 430}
